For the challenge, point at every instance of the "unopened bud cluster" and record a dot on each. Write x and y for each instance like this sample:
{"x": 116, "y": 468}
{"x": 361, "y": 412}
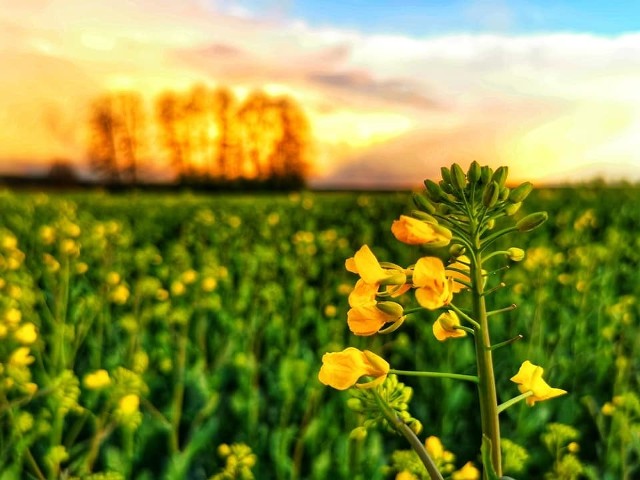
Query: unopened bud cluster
{"x": 476, "y": 198}
{"x": 394, "y": 394}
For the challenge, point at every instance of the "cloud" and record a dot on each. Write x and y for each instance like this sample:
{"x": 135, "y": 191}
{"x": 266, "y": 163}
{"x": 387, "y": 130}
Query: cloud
{"x": 400, "y": 96}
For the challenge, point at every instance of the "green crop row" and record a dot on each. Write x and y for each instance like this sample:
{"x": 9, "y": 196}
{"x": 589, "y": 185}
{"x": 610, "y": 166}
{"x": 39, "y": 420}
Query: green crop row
{"x": 146, "y": 336}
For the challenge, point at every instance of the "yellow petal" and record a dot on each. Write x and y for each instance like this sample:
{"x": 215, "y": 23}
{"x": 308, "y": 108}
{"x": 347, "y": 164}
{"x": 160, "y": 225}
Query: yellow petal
{"x": 363, "y": 294}
{"x": 367, "y": 320}
{"x": 368, "y": 266}
{"x": 444, "y": 327}
{"x": 341, "y": 370}
{"x": 416, "y": 232}
{"x": 427, "y": 271}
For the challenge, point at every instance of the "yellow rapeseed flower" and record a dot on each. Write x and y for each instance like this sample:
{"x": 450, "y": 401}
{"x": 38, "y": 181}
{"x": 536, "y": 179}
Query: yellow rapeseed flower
{"x": 113, "y": 278}
{"x": 120, "y": 295}
{"x": 417, "y": 232}
{"x": 209, "y": 284}
{"x": 445, "y": 326}
{"x": 129, "y": 404}
{"x": 96, "y": 380}
{"x": 529, "y": 379}
{"x": 467, "y": 472}
{"x": 13, "y": 316}
{"x": 460, "y": 265}
{"x": 189, "y": 276}
{"x": 365, "y": 264}
{"x": 364, "y": 317}
{"x": 433, "y": 289}
{"x": 405, "y": 475}
{"x": 20, "y": 357}
{"x": 26, "y": 334}
{"x": 341, "y": 370}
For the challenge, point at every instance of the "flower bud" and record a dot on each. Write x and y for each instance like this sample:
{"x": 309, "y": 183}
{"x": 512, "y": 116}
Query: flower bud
{"x": 490, "y": 195}
{"x": 504, "y": 194}
{"x": 515, "y": 254}
{"x": 391, "y": 308}
{"x": 446, "y": 174}
{"x": 434, "y": 192}
{"x": 423, "y": 204}
{"x": 485, "y": 174}
{"x": 420, "y": 215}
{"x": 446, "y": 187}
{"x": 532, "y": 221}
{"x": 456, "y": 250}
{"x": 355, "y": 404}
{"x": 473, "y": 174}
{"x": 519, "y": 193}
{"x": 512, "y": 208}
{"x": 500, "y": 175}
{"x": 358, "y": 434}
{"x": 415, "y": 426}
{"x": 458, "y": 178}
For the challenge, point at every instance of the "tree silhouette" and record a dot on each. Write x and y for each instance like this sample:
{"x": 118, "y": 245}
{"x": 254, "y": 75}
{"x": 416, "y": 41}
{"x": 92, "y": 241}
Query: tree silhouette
{"x": 117, "y": 135}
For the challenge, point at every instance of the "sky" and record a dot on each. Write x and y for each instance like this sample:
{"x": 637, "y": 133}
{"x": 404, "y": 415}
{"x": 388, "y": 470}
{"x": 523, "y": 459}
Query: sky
{"x": 393, "y": 89}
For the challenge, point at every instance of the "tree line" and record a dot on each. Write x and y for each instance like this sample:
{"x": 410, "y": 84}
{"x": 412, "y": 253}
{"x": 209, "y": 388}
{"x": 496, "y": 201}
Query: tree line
{"x": 206, "y": 136}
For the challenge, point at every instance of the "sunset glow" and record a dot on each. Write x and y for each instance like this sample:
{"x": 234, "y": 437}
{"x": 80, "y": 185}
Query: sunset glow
{"x": 387, "y": 102}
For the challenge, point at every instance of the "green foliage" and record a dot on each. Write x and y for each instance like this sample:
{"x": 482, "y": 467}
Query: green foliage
{"x": 231, "y": 356}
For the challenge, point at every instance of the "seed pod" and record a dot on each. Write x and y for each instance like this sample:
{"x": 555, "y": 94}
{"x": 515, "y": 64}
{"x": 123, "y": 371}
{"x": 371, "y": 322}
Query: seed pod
{"x": 521, "y": 192}
{"x": 423, "y": 204}
{"x": 433, "y": 190}
{"x": 458, "y": 178}
{"x": 500, "y": 176}
{"x": 490, "y": 195}
{"x": 474, "y": 172}
{"x": 532, "y": 221}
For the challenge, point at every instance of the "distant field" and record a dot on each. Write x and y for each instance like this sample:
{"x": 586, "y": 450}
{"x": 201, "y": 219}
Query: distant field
{"x": 214, "y": 312}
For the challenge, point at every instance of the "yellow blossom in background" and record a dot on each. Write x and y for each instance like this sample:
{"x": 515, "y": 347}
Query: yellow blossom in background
{"x": 113, "y": 278}
{"x": 365, "y": 264}
{"x": 120, "y": 295}
{"x": 30, "y": 388}
{"x": 3, "y": 330}
{"x": 189, "y": 276}
{"x": 13, "y": 316}
{"x": 26, "y": 334}
{"x": 96, "y": 380}
{"x": 417, "y": 232}
{"x": 50, "y": 262}
{"x": 608, "y": 408}
{"x": 529, "y": 379}
{"x": 69, "y": 247}
{"x": 81, "y": 268}
{"x": 20, "y": 357}
{"x": 209, "y": 284}
{"x": 434, "y": 447}
{"x": 162, "y": 294}
{"x": 404, "y": 475}
{"x": 129, "y": 404}
{"x": 433, "y": 289}
{"x": 444, "y": 326}
{"x": 341, "y": 370}
{"x": 467, "y": 472}
{"x": 47, "y": 234}
{"x": 177, "y": 288}
{"x": 9, "y": 242}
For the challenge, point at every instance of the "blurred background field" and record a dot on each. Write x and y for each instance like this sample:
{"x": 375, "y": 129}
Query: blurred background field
{"x": 210, "y": 315}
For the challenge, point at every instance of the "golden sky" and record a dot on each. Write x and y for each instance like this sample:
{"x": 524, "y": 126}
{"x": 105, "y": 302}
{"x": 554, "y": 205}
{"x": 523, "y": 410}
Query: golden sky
{"x": 386, "y": 107}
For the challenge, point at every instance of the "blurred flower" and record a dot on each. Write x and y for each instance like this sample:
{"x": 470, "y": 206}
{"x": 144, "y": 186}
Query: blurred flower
{"x": 113, "y": 278}
{"x": 120, "y": 295}
{"x": 13, "y": 316}
{"x": 467, "y": 472}
{"x": 26, "y": 334}
{"x": 434, "y": 290}
{"x": 417, "y": 232}
{"x": 529, "y": 379}
{"x": 209, "y": 284}
{"x": 129, "y": 404}
{"x": 189, "y": 276}
{"x": 445, "y": 327}
{"x": 404, "y": 475}
{"x": 608, "y": 408}
{"x": 20, "y": 357}
{"x": 96, "y": 380}
{"x": 177, "y": 288}
{"x": 341, "y": 370}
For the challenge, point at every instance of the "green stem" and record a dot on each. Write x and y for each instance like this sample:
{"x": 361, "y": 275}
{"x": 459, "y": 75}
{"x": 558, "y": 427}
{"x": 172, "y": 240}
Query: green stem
{"x": 502, "y": 310}
{"x": 506, "y": 342}
{"x": 454, "y": 376}
{"x": 411, "y": 437}
{"x": 503, "y": 406}
{"x": 475, "y": 324}
{"x": 487, "y": 384}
